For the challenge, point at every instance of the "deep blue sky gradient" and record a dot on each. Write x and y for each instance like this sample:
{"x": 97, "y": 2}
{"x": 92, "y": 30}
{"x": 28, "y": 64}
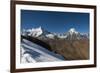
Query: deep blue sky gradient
{"x": 58, "y": 22}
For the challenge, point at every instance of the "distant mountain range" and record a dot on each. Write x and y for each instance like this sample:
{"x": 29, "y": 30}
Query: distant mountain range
{"x": 40, "y": 32}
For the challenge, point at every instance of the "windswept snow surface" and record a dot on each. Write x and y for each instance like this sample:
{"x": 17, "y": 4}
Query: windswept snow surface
{"x": 32, "y": 53}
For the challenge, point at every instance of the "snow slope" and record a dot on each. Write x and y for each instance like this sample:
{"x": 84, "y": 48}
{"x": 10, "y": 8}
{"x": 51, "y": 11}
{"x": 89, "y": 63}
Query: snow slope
{"x": 31, "y": 53}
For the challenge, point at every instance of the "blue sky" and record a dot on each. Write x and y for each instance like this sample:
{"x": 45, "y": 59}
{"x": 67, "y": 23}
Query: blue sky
{"x": 57, "y": 22}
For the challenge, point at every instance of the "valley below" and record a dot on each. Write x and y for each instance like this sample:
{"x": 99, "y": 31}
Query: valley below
{"x": 69, "y": 49}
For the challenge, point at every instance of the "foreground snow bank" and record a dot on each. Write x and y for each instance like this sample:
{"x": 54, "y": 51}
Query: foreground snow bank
{"x": 31, "y": 53}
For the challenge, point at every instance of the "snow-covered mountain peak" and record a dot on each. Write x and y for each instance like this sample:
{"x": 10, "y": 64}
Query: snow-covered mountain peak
{"x": 72, "y": 34}
{"x": 36, "y": 29}
{"x": 36, "y": 32}
{"x": 73, "y": 30}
